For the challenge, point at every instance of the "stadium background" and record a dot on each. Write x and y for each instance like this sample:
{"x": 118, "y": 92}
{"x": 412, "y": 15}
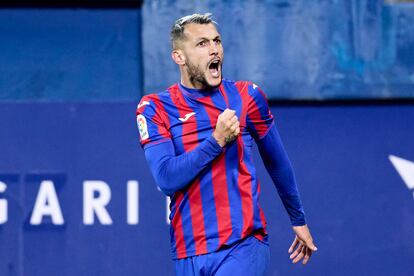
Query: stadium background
{"x": 339, "y": 76}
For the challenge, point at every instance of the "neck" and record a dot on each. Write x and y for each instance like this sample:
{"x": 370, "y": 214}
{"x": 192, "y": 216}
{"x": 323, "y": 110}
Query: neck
{"x": 197, "y": 93}
{"x": 187, "y": 82}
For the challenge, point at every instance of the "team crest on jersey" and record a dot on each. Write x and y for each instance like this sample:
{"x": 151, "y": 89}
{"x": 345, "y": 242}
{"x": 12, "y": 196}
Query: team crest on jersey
{"x": 142, "y": 127}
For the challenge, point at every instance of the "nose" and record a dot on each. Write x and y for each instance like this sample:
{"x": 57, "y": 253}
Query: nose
{"x": 213, "y": 49}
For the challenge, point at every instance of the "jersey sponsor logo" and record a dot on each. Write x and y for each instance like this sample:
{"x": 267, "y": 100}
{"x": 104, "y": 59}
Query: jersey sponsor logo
{"x": 142, "y": 104}
{"x": 405, "y": 169}
{"x": 142, "y": 127}
{"x": 186, "y": 117}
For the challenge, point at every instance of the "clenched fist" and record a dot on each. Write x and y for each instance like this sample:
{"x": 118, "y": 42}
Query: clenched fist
{"x": 227, "y": 127}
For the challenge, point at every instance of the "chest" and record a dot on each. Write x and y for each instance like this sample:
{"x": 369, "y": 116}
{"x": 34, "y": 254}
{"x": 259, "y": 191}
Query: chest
{"x": 193, "y": 120}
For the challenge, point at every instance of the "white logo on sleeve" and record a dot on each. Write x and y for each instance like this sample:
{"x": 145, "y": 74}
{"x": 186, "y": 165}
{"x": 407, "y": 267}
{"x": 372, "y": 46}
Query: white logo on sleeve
{"x": 142, "y": 127}
{"x": 186, "y": 117}
{"x": 254, "y": 86}
{"x": 142, "y": 104}
{"x": 405, "y": 169}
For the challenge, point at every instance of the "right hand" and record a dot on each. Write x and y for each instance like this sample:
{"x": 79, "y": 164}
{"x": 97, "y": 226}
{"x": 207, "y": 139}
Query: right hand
{"x": 227, "y": 127}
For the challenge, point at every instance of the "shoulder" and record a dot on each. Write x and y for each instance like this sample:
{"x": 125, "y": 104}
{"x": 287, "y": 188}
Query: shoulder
{"x": 248, "y": 87}
{"x": 158, "y": 97}
{"x": 154, "y": 100}
{"x": 240, "y": 86}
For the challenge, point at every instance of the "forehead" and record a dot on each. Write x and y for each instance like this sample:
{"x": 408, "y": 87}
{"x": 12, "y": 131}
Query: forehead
{"x": 194, "y": 31}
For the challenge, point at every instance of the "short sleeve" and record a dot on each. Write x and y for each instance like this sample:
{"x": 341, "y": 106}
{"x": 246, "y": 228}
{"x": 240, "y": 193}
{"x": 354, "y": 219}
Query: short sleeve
{"x": 151, "y": 126}
{"x": 259, "y": 118}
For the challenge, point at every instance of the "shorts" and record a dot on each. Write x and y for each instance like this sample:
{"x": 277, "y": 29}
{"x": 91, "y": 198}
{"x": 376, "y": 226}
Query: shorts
{"x": 248, "y": 257}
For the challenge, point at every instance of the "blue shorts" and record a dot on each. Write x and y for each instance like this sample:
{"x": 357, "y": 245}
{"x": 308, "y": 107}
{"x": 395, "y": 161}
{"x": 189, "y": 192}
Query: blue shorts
{"x": 249, "y": 257}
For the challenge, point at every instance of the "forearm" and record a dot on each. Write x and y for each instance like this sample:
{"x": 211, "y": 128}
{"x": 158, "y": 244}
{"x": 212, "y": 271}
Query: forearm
{"x": 172, "y": 173}
{"x": 280, "y": 170}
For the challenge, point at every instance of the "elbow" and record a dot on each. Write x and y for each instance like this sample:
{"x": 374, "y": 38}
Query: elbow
{"x": 165, "y": 187}
{"x": 166, "y": 191}
{"x": 162, "y": 179}
{"x": 168, "y": 179}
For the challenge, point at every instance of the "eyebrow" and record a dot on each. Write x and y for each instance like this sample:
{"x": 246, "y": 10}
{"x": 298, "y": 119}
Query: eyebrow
{"x": 205, "y": 38}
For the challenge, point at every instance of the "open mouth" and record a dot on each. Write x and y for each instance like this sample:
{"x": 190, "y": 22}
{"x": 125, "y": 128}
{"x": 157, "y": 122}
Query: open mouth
{"x": 214, "y": 68}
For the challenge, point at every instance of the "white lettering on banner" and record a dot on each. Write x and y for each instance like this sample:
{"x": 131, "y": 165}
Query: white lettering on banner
{"x": 167, "y": 207}
{"x": 405, "y": 169}
{"x": 96, "y": 205}
{"x": 3, "y": 204}
{"x": 168, "y": 201}
{"x": 47, "y": 204}
{"x": 132, "y": 202}
{"x": 96, "y": 197}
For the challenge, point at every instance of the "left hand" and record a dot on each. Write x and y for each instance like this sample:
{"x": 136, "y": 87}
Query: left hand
{"x": 302, "y": 246}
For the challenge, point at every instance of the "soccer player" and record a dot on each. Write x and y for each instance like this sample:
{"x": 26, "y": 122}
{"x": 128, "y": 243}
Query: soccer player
{"x": 197, "y": 136}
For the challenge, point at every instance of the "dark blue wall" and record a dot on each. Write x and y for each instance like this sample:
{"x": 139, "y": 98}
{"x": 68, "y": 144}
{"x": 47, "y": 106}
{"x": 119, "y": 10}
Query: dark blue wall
{"x": 359, "y": 209}
{"x": 70, "y": 54}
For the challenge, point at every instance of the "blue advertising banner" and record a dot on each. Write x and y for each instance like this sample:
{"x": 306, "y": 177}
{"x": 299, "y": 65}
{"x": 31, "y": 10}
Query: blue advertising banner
{"x": 77, "y": 198}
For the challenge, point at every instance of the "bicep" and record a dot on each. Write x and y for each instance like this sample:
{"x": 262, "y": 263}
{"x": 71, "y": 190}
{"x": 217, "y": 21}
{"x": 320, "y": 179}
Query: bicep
{"x": 155, "y": 153}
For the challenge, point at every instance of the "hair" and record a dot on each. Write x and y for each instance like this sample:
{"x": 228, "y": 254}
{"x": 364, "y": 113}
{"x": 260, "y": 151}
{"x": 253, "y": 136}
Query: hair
{"x": 177, "y": 30}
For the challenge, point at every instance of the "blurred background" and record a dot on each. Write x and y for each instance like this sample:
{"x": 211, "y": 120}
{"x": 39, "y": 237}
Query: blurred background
{"x": 76, "y": 195}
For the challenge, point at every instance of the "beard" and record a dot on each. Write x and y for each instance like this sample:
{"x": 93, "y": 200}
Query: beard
{"x": 197, "y": 76}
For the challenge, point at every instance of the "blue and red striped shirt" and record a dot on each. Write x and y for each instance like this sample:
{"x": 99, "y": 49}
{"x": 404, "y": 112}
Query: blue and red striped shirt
{"x": 214, "y": 191}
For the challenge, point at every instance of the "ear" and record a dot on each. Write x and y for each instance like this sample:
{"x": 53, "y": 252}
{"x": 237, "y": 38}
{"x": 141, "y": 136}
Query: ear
{"x": 178, "y": 57}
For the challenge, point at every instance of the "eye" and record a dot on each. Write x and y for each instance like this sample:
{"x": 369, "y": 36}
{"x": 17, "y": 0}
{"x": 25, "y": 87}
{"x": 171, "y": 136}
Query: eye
{"x": 217, "y": 41}
{"x": 202, "y": 43}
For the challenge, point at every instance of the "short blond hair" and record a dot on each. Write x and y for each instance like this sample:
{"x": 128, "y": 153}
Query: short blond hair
{"x": 177, "y": 30}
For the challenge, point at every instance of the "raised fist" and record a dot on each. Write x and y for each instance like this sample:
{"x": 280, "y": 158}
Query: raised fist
{"x": 227, "y": 127}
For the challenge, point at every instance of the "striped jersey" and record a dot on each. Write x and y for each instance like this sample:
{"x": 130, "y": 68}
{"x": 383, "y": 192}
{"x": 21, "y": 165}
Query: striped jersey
{"x": 219, "y": 206}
